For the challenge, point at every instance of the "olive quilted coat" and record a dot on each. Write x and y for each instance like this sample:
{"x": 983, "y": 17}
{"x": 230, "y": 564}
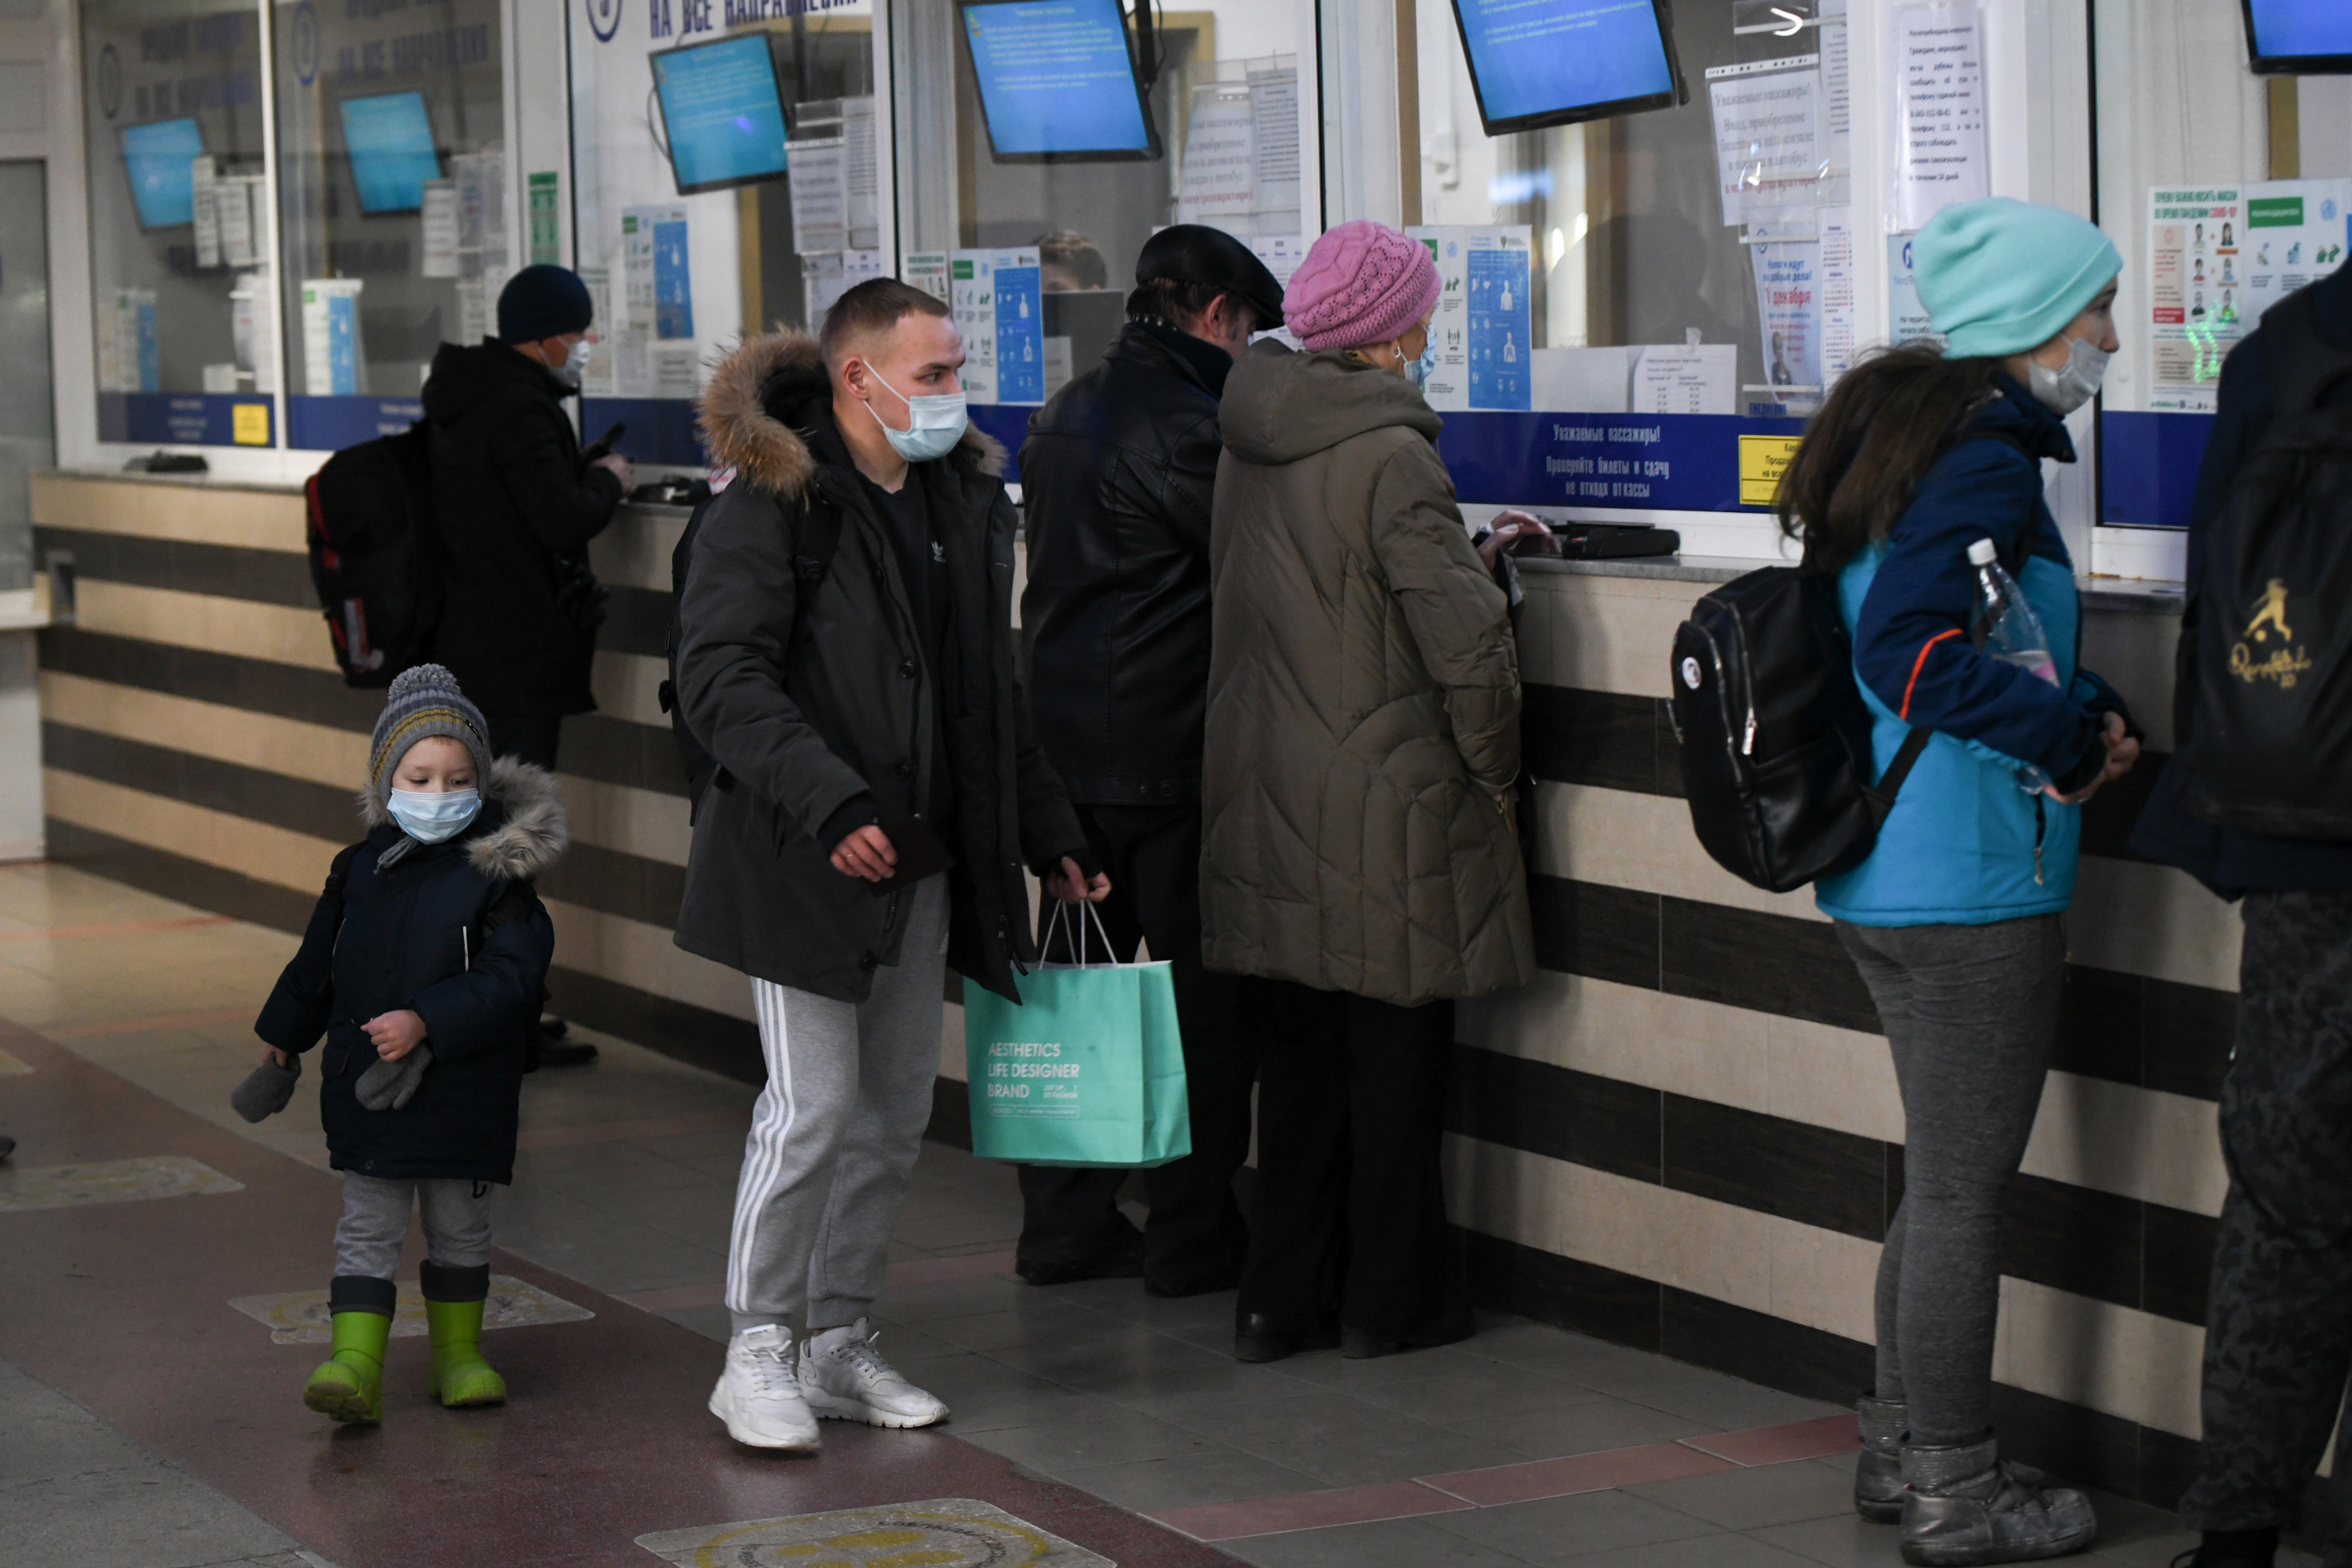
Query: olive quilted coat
{"x": 1364, "y": 699}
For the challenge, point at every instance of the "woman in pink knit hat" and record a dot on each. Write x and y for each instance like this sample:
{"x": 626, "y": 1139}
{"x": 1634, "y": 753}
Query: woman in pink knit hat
{"x": 1359, "y": 857}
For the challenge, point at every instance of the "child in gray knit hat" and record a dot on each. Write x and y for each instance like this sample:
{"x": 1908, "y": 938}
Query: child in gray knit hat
{"x": 423, "y": 969}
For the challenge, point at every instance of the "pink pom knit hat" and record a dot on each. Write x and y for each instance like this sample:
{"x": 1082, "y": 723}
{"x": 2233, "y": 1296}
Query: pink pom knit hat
{"x": 1362, "y": 282}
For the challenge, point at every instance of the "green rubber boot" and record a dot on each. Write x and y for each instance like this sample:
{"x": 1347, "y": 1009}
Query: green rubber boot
{"x": 460, "y": 1375}
{"x": 349, "y": 1384}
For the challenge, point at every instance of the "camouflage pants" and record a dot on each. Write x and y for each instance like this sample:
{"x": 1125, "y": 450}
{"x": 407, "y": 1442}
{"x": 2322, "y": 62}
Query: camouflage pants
{"x": 2279, "y": 1328}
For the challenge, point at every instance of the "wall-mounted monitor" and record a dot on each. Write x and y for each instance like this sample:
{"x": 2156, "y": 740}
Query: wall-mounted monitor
{"x": 2299, "y": 38}
{"x": 1553, "y": 62}
{"x": 390, "y": 140}
{"x": 722, "y": 112}
{"x": 157, "y": 156}
{"x": 1057, "y": 81}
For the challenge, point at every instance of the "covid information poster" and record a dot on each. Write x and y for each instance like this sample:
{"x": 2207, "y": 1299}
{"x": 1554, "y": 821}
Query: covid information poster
{"x": 1499, "y": 319}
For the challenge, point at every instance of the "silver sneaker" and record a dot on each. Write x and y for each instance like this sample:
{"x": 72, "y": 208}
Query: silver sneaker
{"x": 844, "y": 1378}
{"x": 1963, "y": 1505}
{"x": 1878, "y": 1469}
{"x": 759, "y": 1393}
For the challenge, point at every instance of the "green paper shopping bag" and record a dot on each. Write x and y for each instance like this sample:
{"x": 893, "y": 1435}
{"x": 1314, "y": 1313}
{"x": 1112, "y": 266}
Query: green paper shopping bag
{"x": 1085, "y": 1069}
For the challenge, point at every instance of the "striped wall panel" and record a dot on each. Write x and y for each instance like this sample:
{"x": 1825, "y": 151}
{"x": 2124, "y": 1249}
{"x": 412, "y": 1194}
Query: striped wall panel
{"x": 1685, "y": 1135}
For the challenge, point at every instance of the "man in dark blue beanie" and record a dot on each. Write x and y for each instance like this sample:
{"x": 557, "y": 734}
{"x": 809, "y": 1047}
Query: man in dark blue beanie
{"x": 515, "y": 505}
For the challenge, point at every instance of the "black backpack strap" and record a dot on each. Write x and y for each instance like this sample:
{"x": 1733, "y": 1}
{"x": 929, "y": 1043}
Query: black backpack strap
{"x": 817, "y": 539}
{"x": 1899, "y": 767}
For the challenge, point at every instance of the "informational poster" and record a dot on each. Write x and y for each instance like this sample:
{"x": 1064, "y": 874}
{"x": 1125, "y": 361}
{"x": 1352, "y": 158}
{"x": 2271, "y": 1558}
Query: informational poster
{"x": 1839, "y": 299}
{"x": 2196, "y": 235}
{"x": 1020, "y": 328}
{"x": 1219, "y": 176}
{"x": 1448, "y": 387}
{"x": 928, "y": 270}
{"x": 440, "y": 219}
{"x": 546, "y": 233}
{"x": 639, "y": 320}
{"x": 819, "y": 189}
{"x": 599, "y": 379}
{"x": 825, "y": 279}
{"x": 1282, "y": 253}
{"x": 1939, "y": 112}
{"x": 204, "y": 184}
{"x": 1274, "y": 128}
{"x": 1789, "y": 309}
{"x": 253, "y": 330}
{"x": 1906, "y": 316}
{"x": 1771, "y": 152}
{"x": 2295, "y": 234}
{"x": 128, "y": 360}
{"x": 1686, "y": 378}
{"x": 673, "y": 279}
{"x": 332, "y": 362}
{"x": 1837, "y": 103}
{"x": 1498, "y": 319}
{"x": 233, "y": 212}
{"x": 861, "y": 173}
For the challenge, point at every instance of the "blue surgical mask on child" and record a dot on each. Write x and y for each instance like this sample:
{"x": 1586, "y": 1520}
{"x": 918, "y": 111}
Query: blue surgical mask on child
{"x": 935, "y": 423}
{"x": 431, "y": 816}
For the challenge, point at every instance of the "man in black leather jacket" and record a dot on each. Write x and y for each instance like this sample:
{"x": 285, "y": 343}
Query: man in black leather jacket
{"x": 1117, "y": 476}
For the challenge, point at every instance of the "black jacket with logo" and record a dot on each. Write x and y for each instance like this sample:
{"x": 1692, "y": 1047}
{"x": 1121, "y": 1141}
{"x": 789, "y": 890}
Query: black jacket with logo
{"x": 802, "y": 726}
{"x": 515, "y": 511}
{"x": 1116, "y": 479}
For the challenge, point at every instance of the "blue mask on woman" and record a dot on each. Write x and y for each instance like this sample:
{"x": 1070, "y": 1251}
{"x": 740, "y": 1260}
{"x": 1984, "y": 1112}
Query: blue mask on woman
{"x": 431, "y": 816}
{"x": 1419, "y": 371}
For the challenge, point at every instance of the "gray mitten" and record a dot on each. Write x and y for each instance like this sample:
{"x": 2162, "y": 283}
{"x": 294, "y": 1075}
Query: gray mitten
{"x": 266, "y": 1090}
{"x": 390, "y": 1086}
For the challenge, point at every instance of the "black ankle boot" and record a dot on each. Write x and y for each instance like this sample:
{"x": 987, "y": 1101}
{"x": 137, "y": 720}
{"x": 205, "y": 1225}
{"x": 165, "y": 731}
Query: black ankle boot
{"x": 1257, "y": 1338}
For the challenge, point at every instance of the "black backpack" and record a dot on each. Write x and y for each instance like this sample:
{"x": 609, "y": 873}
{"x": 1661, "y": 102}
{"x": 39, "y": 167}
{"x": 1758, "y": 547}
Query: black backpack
{"x": 1775, "y": 738}
{"x": 2266, "y": 660}
{"x": 818, "y": 538}
{"x": 374, "y": 558}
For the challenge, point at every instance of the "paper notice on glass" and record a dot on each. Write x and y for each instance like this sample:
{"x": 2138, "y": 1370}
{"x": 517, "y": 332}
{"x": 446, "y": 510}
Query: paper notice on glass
{"x": 599, "y": 379}
{"x": 1282, "y": 253}
{"x": 331, "y": 357}
{"x": 1496, "y": 267}
{"x": 1837, "y": 103}
{"x": 439, "y": 220}
{"x": 861, "y": 172}
{"x": 1939, "y": 112}
{"x": 202, "y": 177}
{"x": 2195, "y": 317}
{"x": 1274, "y": 125}
{"x": 233, "y": 216}
{"x": 1789, "y": 311}
{"x": 1580, "y": 381}
{"x": 1769, "y": 157}
{"x": 1839, "y": 299}
{"x": 474, "y": 302}
{"x": 972, "y": 303}
{"x": 2295, "y": 235}
{"x": 481, "y": 181}
{"x": 1448, "y": 387}
{"x": 677, "y": 372}
{"x": 926, "y": 270}
{"x": 817, "y": 180}
{"x": 1906, "y": 318}
{"x": 1686, "y": 378}
{"x": 1220, "y": 179}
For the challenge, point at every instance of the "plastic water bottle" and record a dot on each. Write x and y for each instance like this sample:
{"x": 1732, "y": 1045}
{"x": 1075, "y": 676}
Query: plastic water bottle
{"x": 2012, "y": 632}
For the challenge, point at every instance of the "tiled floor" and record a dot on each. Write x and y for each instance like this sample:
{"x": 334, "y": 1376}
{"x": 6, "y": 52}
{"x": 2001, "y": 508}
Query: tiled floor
{"x": 624, "y": 1183}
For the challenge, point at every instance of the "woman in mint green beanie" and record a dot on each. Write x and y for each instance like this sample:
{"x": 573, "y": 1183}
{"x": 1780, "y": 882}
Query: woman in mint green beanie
{"x": 1920, "y": 453}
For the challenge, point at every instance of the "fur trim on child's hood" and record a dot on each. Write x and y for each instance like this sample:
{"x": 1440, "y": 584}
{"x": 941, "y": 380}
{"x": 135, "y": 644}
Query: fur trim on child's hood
{"x": 527, "y": 843}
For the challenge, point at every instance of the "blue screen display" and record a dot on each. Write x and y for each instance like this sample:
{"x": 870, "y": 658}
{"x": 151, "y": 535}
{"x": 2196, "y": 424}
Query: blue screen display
{"x": 720, "y": 109}
{"x": 1055, "y": 76}
{"x": 2286, "y": 27}
{"x": 390, "y": 143}
{"x": 1547, "y": 57}
{"x": 156, "y": 156}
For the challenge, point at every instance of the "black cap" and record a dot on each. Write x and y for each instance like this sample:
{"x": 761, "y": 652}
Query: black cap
{"x": 1195, "y": 252}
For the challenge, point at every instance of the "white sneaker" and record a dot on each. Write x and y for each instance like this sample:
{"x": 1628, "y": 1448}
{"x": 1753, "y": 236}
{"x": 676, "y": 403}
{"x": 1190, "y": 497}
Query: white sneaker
{"x": 759, "y": 1393}
{"x": 844, "y": 1378}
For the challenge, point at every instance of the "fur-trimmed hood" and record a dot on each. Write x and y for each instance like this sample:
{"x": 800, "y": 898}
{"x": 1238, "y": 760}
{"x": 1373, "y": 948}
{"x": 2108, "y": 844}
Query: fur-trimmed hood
{"x": 756, "y": 415}
{"x": 532, "y": 830}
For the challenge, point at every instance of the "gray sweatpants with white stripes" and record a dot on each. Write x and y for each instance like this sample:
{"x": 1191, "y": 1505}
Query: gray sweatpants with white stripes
{"x": 836, "y": 1132}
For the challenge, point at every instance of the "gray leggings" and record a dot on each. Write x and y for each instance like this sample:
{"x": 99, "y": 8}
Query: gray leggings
{"x": 374, "y": 1226}
{"x": 1971, "y": 1013}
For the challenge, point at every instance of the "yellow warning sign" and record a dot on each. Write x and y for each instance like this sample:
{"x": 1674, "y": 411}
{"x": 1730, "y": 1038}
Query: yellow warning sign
{"x": 1762, "y": 461}
{"x": 249, "y": 423}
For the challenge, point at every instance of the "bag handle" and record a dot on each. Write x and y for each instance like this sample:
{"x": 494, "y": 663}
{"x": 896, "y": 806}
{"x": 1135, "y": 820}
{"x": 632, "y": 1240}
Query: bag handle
{"x": 1054, "y": 923}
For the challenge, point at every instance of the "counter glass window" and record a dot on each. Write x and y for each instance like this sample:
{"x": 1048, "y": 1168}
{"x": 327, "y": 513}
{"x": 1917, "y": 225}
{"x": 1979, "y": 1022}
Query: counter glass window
{"x": 726, "y": 182}
{"x": 1641, "y": 252}
{"x": 179, "y": 218}
{"x": 1040, "y": 142}
{"x": 393, "y": 203}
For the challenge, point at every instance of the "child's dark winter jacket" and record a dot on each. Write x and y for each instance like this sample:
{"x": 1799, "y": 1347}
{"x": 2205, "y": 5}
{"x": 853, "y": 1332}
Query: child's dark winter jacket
{"x": 454, "y": 931}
